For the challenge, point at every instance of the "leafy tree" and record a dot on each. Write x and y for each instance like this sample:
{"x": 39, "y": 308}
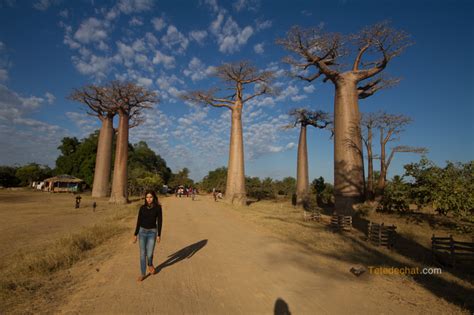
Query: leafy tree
{"x": 448, "y": 189}
{"x": 78, "y": 157}
{"x": 215, "y": 179}
{"x": 395, "y": 197}
{"x": 323, "y": 191}
{"x": 8, "y": 176}
{"x": 140, "y": 180}
{"x": 181, "y": 178}
{"x": 287, "y": 186}
{"x": 259, "y": 189}
{"x": 141, "y": 156}
{"x": 29, "y": 173}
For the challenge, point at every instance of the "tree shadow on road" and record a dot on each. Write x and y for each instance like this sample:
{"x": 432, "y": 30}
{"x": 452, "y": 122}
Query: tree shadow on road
{"x": 184, "y": 253}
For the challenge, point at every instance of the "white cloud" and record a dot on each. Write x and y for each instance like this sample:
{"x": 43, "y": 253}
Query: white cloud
{"x": 212, "y": 4}
{"x": 158, "y": 23}
{"x": 3, "y": 75}
{"x": 164, "y": 82}
{"x": 266, "y": 101}
{"x": 230, "y": 36}
{"x": 298, "y": 98}
{"x": 125, "y": 51}
{"x": 146, "y": 82}
{"x": 167, "y": 61}
{"x": 95, "y": 65}
{"x": 43, "y": 5}
{"x": 197, "y": 70}
{"x": 14, "y": 110}
{"x": 64, "y": 13}
{"x": 151, "y": 39}
{"x": 289, "y": 91}
{"x": 91, "y": 30}
{"x": 258, "y": 48}
{"x": 135, "y": 22}
{"x": 31, "y": 102}
{"x": 290, "y": 145}
{"x": 132, "y": 6}
{"x": 251, "y": 5}
{"x": 84, "y": 122}
{"x": 50, "y": 97}
{"x": 309, "y": 89}
{"x": 261, "y": 25}
{"x": 174, "y": 39}
{"x": 198, "y": 36}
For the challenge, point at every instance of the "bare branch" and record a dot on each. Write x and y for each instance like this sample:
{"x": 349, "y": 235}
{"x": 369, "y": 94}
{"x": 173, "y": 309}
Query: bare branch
{"x": 406, "y": 149}
{"x": 383, "y": 40}
{"x": 317, "y": 48}
{"x": 237, "y": 76}
{"x": 305, "y": 117}
{"x": 375, "y": 85}
{"x": 207, "y": 98}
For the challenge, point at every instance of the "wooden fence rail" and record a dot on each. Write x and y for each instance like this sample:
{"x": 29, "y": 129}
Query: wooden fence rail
{"x": 341, "y": 222}
{"x": 381, "y": 234}
{"x": 446, "y": 248}
{"x": 311, "y": 215}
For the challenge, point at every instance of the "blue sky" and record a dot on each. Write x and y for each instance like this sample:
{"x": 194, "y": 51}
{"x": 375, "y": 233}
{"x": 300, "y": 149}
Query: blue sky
{"x": 49, "y": 47}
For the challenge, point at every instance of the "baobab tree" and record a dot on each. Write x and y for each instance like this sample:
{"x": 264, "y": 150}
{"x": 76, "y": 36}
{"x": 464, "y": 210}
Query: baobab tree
{"x": 128, "y": 100}
{"x": 96, "y": 99}
{"x": 390, "y": 126}
{"x": 304, "y": 117}
{"x": 321, "y": 51}
{"x": 236, "y": 77}
{"x": 369, "y": 122}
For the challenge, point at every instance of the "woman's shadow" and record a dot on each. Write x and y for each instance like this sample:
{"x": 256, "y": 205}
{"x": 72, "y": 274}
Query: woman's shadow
{"x": 186, "y": 252}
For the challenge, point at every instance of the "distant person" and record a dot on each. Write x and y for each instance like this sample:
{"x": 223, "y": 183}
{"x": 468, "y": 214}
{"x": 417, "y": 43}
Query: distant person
{"x": 148, "y": 229}
{"x": 193, "y": 193}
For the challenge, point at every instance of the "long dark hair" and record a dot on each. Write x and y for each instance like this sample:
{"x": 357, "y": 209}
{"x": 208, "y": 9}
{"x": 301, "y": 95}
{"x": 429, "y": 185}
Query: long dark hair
{"x": 155, "y": 202}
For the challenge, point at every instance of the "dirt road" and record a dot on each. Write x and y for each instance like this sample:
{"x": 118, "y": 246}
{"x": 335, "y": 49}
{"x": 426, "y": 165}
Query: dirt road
{"x": 211, "y": 261}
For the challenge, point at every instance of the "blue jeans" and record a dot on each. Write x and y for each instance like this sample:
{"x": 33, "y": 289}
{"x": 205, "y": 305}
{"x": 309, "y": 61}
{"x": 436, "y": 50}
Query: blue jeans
{"x": 147, "y": 239}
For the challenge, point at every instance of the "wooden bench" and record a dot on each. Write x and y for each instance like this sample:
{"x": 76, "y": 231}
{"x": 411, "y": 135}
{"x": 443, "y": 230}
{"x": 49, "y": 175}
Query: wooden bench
{"x": 341, "y": 222}
{"x": 446, "y": 249}
{"x": 381, "y": 234}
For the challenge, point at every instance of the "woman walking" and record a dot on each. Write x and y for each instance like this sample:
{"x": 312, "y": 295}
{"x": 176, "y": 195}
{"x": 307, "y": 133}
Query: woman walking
{"x": 148, "y": 229}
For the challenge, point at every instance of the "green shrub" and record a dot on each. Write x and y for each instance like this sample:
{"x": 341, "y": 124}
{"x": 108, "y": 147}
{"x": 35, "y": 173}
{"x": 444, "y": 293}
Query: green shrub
{"x": 395, "y": 197}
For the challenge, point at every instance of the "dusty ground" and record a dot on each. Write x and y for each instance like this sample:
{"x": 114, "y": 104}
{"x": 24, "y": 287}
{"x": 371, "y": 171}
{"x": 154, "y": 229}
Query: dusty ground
{"x": 213, "y": 261}
{"x": 30, "y": 218}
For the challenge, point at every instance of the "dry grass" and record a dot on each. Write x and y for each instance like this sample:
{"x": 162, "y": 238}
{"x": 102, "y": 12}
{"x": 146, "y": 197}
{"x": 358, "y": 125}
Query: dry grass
{"x": 413, "y": 249}
{"x": 40, "y": 272}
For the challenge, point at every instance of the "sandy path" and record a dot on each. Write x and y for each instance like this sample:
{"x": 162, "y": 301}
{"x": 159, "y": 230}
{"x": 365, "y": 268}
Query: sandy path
{"x": 213, "y": 262}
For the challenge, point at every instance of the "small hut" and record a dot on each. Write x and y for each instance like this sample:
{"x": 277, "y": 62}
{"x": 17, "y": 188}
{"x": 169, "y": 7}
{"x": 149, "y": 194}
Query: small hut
{"x": 63, "y": 183}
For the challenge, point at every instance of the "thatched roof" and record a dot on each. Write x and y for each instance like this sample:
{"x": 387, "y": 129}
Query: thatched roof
{"x": 64, "y": 179}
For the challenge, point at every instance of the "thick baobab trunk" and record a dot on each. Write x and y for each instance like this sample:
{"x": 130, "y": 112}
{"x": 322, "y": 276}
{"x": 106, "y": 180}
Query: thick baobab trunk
{"x": 119, "y": 183}
{"x": 370, "y": 166}
{"x": 302, "y": 181}
{"x": 100, "y": 187}
{"x": 235, "y": 188}
{"x": 348, "y": 162}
